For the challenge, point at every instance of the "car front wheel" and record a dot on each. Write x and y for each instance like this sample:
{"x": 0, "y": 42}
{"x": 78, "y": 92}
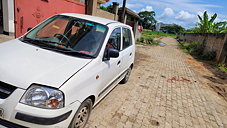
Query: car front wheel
{"x": 127, "y": 75}
{"x": 81, "y": 117}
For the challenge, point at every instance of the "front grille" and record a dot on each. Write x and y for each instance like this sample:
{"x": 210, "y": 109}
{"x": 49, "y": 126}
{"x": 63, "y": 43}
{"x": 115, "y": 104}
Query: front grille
{"x": 10, "y": 124}
{"x": 6, "y": 90}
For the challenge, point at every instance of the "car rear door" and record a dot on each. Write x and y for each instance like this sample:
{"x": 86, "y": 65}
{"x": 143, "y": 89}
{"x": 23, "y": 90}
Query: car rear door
{"x": 128, "y": 49}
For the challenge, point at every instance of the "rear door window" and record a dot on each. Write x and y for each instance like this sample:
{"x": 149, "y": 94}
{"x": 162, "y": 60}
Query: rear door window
{"x": 127, "y": 38}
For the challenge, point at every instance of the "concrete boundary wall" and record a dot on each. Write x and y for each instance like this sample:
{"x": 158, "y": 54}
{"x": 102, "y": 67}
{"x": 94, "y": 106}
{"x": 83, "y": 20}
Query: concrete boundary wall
{"x": 105, "y": 14}
{"x": 213, "y": 42}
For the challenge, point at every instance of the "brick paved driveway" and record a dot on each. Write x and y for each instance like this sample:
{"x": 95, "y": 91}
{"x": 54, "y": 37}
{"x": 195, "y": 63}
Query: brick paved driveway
{"x": 163, "y": 91}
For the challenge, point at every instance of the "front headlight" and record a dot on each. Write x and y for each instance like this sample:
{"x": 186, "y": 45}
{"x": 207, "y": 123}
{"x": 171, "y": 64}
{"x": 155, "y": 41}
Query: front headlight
{"x": 43, "y": 97}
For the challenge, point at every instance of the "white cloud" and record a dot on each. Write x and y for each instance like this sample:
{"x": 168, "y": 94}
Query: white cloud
{"x": 192, "y": 6}
{"x": 185, "y": 16}
{"x": 188, "y": 17}
{"x": 132, "y": 6}
{"x": 168, "y": 12}
{"x": 217, "y": 20}
{"x": 148, "y": 8}
{"x": 222, "y": 16}
{"x": 200, "y": 13}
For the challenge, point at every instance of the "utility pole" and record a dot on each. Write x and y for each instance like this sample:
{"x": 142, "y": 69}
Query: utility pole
{"x": 123, "y": 12}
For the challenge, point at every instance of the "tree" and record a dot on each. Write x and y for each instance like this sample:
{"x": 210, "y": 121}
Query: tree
{"x": 147, "y": 19}
{"x": 193, "y": 30}
{"x": 208, "y": 26}
{"x": 109, "y": 8}
{"x": 173, "y": 29}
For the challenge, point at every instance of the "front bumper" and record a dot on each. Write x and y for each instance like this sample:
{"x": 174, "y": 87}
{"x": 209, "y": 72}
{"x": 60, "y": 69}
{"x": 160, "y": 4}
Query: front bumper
{"x": 42, "y": 120}
{"x": 28, "y": 116}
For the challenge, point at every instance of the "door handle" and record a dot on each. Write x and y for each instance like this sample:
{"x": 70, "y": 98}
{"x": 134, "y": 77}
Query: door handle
{"x": 118, "y": 62}
{"x": 130, "y": 54}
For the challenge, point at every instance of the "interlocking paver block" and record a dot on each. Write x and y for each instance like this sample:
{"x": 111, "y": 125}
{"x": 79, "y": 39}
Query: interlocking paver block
{"x": 163, "y": 91}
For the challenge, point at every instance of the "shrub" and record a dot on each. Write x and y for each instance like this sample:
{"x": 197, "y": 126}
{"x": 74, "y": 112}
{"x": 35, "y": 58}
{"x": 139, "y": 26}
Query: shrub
{"x": 150, "y": 39}
{"x": 209, "y": 55}
{"x": 197, "y": 49}
{"x": 141, "y": 39}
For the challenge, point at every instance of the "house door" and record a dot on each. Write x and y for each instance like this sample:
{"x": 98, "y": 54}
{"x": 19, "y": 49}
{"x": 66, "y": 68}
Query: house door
{"x": 29, "y": 13}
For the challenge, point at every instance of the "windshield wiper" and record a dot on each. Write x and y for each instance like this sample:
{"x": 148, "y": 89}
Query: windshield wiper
{"x": 77, "y": 53}
{"x": 34, "y": 41}
{"x": 45, "y": 45}
{"x": 37, "y": 42}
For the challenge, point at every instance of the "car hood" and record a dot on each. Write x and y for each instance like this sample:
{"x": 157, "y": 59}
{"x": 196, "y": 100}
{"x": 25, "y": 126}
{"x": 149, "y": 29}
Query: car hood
{"x": 22, "y": 64}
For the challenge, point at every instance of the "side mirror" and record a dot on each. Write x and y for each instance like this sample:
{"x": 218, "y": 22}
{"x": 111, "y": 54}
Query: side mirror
{"x": 112, "y": 53}
{"x": 29, "y": 29}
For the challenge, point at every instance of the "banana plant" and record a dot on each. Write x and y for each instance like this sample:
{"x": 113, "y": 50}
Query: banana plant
{"x": 220, "y": 27}
{"x": 209, "y": 26}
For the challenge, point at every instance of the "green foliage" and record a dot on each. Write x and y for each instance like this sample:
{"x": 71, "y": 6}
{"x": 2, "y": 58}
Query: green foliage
{"x": 141, "y": 39}
{"x": 209, "y": 55}
{"x": 147, "y": 19}
{"x": 208, "y": 26}
{"x": 109, "y": 8}
{"x": 148, "y": 37}
{"x": 190, "y": 48}
{"x": 197, "y": 49}
{"x": 221, "y": 27}
{"x": 173, "y": 29}
{"x": 144, "y": 38}
{"x": 103, "y": 8}
{"x": 193, "y": 30}
{"x": 156, "y": 34}
{"x": 222, "y": 67}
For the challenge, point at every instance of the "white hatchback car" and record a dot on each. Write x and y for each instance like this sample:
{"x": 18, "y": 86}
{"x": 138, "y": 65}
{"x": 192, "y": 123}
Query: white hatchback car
{"x": 54, "y": 74}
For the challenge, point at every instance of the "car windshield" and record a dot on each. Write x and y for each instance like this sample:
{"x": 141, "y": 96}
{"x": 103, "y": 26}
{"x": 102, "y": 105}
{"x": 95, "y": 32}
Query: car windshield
{"x": 70, "y": 34}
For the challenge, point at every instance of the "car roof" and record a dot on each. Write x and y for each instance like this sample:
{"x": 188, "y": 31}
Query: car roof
{"x": 93, "y": 18}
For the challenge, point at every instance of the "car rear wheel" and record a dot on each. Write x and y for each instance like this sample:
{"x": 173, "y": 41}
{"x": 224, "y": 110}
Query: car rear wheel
{"x": 127, "y": 75}
{"x": 82, "y": 115}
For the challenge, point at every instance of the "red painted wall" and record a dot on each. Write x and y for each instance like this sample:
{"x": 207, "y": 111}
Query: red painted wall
{"x": 29, "y": 13}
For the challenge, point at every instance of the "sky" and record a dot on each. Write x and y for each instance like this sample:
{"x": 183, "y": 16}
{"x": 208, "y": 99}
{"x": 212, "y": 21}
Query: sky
{"x": 180, "y": 12}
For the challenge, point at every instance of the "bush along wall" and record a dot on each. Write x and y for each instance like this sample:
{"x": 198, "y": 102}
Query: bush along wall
{"x": 210, "y": 44}
{"x": 197, "y": 49}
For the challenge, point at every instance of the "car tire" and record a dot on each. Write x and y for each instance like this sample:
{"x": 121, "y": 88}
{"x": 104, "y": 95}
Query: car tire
{"x": 82, "y": 115}
{"x": 127, "y": 75}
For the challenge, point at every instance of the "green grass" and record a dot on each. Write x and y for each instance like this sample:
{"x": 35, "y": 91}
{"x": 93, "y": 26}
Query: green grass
{"x": 157, "y": 34}
{"x": 147, "y": 37}
{"x": 137, "y": 42}
{"x": 221, "y": 66}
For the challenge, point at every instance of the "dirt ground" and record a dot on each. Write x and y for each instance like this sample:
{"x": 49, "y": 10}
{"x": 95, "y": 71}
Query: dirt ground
{"x": 210, "y": 75}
